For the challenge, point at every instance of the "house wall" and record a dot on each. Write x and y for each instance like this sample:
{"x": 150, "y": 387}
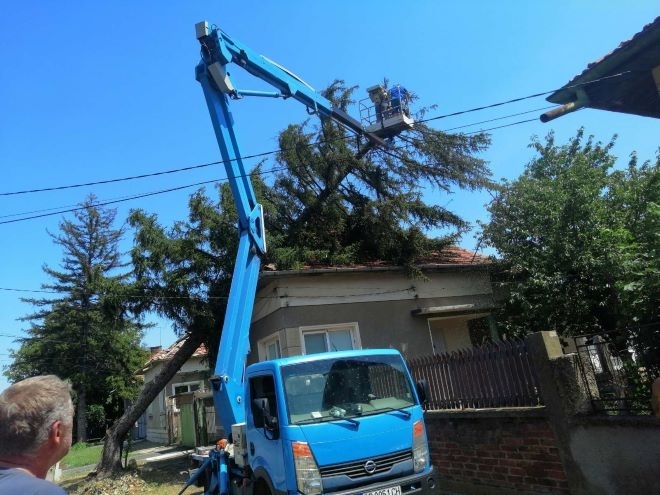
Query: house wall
{"x": 158, "y": 423}
{"x": 308, "y": 288}
{"x": 381, "y": 303}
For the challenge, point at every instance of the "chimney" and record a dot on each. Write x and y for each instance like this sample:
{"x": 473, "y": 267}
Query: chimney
{"x": 155, "y": 350}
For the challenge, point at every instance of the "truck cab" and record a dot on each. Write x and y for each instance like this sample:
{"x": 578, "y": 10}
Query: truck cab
{"x": 339, "y": 422}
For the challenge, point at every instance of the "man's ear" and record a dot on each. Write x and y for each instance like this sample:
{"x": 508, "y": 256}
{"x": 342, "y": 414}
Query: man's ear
{"x": 57, "y": 432}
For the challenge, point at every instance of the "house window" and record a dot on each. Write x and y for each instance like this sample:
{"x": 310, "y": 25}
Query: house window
{"x": 269, "y": 348}
{"x": 182, "y": 388}
{"x": 330, "y": 338}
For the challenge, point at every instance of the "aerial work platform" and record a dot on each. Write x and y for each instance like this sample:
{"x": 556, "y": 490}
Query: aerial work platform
{"x": 386, "y": 113}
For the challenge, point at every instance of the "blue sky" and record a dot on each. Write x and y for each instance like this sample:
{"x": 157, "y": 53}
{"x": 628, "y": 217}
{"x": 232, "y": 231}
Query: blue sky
{"x": 93, "y": 91}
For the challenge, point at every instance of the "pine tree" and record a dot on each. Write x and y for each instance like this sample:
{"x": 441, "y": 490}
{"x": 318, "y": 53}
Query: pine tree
{"x": 82, "y": 333}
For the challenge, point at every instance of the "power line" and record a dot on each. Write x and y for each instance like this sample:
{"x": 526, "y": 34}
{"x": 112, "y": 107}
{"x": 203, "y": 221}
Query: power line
{"x": 368, "y": 291}
{"x": 266, "y": 153}
{"x": 503, "y": 126}
{"x": 133, "y": 177}
{"x": 535, "y": 95}
{"x": 498, "y": 118}
{"x": 109, "y": 202}
{"x": 263, "y": 154}
{"x": 63, "y": 210}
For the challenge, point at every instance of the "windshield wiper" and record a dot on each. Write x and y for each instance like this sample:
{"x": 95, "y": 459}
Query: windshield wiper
{"x": 325, "y": 419}
{"x": 394, "y": 409}
{"x": 339, "y": 413}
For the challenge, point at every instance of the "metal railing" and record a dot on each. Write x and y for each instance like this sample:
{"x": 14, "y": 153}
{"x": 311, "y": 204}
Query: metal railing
{"x": 495, "y": 375}
{"x": 614, "y": 382}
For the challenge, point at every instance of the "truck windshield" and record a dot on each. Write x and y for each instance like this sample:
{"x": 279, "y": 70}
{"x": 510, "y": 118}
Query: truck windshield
{"x": 331, "y": 389}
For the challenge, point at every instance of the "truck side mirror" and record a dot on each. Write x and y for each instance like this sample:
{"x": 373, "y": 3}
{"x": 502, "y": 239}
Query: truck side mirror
{"x": 265, "y": 418}
{"x": 422, "y": 391}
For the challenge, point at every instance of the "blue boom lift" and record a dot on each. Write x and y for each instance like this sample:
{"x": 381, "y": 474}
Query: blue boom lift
{"x": 290, "y": 431}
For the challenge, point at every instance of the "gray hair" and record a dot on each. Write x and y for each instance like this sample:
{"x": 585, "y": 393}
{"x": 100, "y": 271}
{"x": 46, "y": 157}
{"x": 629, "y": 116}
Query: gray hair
{"x": 28, "y": 410}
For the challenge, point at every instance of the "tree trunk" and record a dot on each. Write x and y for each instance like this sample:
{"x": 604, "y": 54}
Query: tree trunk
{"x": 112, "y": 447}
{"x": 81, "y": 415}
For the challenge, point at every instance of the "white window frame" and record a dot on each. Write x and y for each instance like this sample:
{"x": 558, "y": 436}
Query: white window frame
{"x": 266, "y": 342}
{"x": 188, "y": 384}
{"x": 352, "y": 327}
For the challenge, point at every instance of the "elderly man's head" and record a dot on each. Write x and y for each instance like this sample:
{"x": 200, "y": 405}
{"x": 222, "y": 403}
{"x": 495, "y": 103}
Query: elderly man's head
{"x": 36, "y": 413}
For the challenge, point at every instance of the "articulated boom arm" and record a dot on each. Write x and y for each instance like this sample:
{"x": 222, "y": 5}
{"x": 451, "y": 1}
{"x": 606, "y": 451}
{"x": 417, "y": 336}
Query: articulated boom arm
{"x": 218, "y": 50}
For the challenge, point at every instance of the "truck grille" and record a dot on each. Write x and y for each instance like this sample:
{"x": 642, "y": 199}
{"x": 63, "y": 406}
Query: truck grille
{"x": 356, "y": 470}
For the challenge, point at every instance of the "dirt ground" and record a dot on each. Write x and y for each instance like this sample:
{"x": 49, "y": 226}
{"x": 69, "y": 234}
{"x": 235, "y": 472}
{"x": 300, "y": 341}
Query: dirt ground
{"x": 156, "y": 478}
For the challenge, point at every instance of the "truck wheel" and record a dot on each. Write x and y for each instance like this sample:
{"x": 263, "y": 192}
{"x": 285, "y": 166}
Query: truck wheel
{"x": 261, "y": 487}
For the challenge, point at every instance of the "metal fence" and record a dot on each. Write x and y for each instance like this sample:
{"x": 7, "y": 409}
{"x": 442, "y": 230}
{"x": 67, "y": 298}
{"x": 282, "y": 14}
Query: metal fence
{"x": 615, "y": 383}
{"x": 498, "y": 374}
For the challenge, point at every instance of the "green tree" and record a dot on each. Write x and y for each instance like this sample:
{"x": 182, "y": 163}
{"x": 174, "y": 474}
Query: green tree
{"x": 333, "y": 203}
{"x": 564, "y": 231}
{"x": 81, "y": 333}
{"x": 634, "y": 200}
{"x": 183, "y": 274}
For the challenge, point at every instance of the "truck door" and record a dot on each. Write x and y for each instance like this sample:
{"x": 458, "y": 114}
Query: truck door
{"x": 264, "y": 443}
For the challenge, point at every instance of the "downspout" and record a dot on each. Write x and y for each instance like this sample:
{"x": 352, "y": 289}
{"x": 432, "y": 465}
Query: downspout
{"x": 581, "y": 101}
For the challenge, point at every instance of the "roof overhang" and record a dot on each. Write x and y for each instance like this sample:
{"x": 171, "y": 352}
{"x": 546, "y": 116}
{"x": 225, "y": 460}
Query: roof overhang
{"x": 453, "y": 310}
{"x": 627, "y": 80}
{"x": 267, "y": 276}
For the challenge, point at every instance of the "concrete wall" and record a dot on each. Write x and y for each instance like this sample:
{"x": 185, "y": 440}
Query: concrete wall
{"x": 382, "y": 303}
{"x": 617, "y": 454}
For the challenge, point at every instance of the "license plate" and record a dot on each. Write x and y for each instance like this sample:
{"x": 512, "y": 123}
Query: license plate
{"x": 392, "y": 490}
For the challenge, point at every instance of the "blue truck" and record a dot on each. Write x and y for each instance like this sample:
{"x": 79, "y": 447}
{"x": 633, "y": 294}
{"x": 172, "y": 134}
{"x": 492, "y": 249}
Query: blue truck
{"x": 347, "y": 422}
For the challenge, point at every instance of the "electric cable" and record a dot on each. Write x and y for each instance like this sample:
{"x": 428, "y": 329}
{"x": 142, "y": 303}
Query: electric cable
{"x": 267, "y": 153}
{"x": 263, "y": 154}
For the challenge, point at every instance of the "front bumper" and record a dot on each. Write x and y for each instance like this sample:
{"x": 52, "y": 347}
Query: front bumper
{"x": 418, "y": 484}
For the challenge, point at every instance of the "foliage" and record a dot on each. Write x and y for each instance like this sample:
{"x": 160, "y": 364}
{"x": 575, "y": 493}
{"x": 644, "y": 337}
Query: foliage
{"x": 332, "y": 203}
{"x": 185, "y": 271}
{"x": 638, "y": 389}
{"x": 81, "y": 333}
{"x": 578, "y": 241}
{"x": 96, "y": 420}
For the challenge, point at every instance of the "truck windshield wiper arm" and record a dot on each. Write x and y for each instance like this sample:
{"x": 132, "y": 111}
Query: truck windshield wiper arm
{"x": 394, "y": 409}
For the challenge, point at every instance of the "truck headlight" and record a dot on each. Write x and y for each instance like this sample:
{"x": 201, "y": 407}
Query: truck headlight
{"x": 308, "y": 476}
{"x": 420, "y": 447}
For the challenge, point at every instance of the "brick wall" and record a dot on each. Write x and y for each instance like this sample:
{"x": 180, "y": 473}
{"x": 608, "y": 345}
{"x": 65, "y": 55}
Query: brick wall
{"x": 496, "y": 451}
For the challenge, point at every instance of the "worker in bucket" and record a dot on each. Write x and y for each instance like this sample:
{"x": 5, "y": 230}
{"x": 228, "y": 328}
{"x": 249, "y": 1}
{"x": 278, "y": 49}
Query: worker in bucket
{"x": 399, "y": 99}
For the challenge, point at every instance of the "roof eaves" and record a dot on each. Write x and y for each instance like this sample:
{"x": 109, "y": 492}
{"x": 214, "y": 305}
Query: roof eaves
{"x": 609, "y": 63}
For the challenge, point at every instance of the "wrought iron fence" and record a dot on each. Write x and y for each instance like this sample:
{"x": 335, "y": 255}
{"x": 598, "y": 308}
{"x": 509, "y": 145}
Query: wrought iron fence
{"x": 615, "y": 383}
{"x": 495, "y": 375}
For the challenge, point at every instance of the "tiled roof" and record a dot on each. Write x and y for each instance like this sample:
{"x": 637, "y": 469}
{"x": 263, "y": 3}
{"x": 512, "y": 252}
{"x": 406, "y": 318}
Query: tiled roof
{"x": 622, "y": 46}
{"x": 454, "y": 255}
{"x": 624, "y": 80}
{"x": 167, "y": 354}
{"x": 449, "y": 256}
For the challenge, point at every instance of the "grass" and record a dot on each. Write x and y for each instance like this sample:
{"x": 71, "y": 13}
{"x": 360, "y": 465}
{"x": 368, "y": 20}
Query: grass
{"x": 85, "y": 454}
{"x": 156, "y": 478}
{"x": 82, "y": 454}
